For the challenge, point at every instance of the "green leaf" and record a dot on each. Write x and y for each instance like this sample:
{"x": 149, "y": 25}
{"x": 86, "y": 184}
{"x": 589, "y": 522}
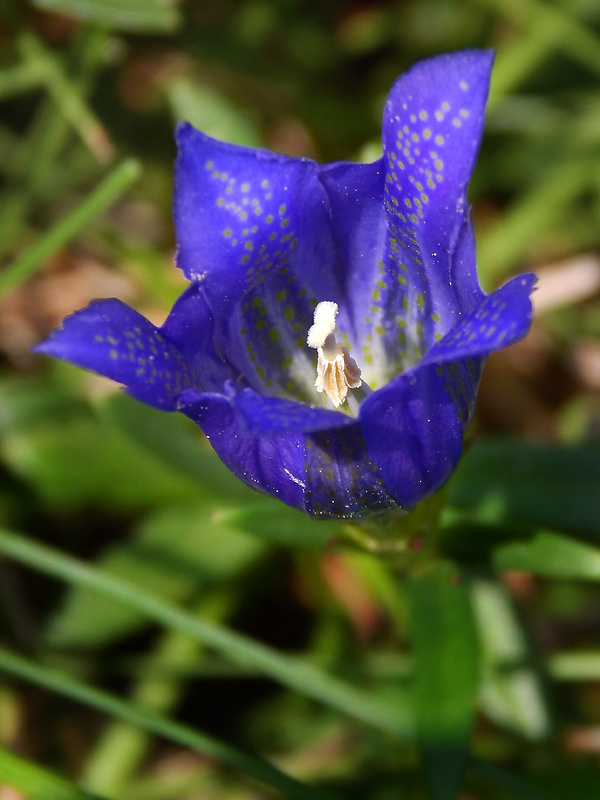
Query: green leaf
{"x": 172, "y": 439}
{"x": 512, "y": 693}
{"x": 125, "y": 15}
{"x": 79, "y": 463}
{"x": 552, "y": 486}
{"x": 37, "y": 783}
{"x": 27, "y": 402}
{"x": 173, "y": 553}
{"x": 156, "y": 723}
{"x": 272, "y": 521}
{"x": 234, "y": 647}
{"x": 178, "y": 444}
{"x": 552, "y": 555}
{"x": 578, "y": 665}
{"x": 210, "y": 112}
{"x": 446, "y": 674}
{"x": 113, "y": 185}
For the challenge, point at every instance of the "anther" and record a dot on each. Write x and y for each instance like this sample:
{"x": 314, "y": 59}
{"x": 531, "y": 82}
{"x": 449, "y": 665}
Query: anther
{"x": 336, "y": 369}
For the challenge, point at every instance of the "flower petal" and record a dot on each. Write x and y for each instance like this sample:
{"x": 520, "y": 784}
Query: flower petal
{"x": 342, "y": 480}
{"x": 190, "y": 327}
{"x": 432, "y": 129}
{"x": 359, "y": 226}
{"x": 112, "y": 339}
{"x": 324, "y": 473}
{"x": 431, "y": 133}
{"x": 253, "y": 228}
{"x": 413, "y": 434}
{"x": 463, "y": 270}
{"x": 272, "y": 464}
{"x": 242, "y": 213}
{"x": 500, "y": 319}
{"x": 268, "y": 416}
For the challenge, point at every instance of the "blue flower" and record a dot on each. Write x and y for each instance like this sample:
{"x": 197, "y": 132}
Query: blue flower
{"x": 361, "y": 276}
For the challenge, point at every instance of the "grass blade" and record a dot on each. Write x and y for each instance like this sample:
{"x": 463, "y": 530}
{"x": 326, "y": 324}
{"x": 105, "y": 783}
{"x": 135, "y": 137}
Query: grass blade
{"x": 147, "y": 720}
{"x": 446, "y": 674}
{"x": 237, "y": 648}
{"x": 67, "y": 228}
{"x": 35, "y": 782}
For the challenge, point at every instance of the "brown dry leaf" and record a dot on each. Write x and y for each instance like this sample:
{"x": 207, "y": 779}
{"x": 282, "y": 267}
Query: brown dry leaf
{"x": 353, "y": 595}
{"x": 6, "y": 793}
{"x": 585, "y": 361}
{"x": 71, "y": 280}
{"x": 566, "y": 283}
{"x": 583, "y": 740}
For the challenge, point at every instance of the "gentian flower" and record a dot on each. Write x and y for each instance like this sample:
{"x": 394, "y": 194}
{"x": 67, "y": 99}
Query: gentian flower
{"x": 361, "y": 276}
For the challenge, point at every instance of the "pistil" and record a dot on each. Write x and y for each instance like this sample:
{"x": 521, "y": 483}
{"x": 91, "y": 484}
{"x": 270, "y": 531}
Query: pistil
{"x": 337, "y": 372}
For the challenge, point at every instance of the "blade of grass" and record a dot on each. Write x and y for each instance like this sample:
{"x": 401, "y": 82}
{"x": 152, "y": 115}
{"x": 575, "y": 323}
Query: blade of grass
{"x": 518, "y": 59}
{"x": 286, "y": 670}
{"x": 46, "y": 136}
{"x": 534, "y": 213}
{"x": 69, "y": 226}
{"x": 574, "y": 39}
{"x": 121, "y": 748}
{"x": 499, "y": 777}
{"x": 162, "y": 726}
{"x": 68, "y": 98}
{"x": 446, "y": 674}
{"x": 575, "y": 666}
{"x": 21, "y": 78}
{"x": 150, "y": 16}
{"x": 35, "y": 782}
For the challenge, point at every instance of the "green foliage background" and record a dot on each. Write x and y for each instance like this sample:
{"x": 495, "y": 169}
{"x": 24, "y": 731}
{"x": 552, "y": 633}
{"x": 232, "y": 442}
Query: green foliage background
{"x": 167, "y": 634}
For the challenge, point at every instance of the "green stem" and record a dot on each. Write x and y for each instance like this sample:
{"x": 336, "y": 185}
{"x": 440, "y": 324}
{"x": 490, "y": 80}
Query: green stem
{"x": 235, "y": 647}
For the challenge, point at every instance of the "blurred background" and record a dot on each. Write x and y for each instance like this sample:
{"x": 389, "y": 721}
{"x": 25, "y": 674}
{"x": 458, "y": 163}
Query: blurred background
{"x": 89, "y": 93}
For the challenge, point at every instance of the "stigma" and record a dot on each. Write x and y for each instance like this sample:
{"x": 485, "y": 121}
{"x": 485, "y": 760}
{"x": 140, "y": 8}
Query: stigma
{"x": 337, "y": 372}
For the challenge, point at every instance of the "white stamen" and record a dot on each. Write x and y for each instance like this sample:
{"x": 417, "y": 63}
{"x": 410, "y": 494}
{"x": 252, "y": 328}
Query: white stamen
{"x": 324, "y": 324}
{"x": 336, "y": 369}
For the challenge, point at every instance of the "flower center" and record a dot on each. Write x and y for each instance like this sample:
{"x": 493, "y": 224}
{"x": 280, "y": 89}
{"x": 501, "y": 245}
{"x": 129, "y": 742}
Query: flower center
{"x": 336, "y": 370}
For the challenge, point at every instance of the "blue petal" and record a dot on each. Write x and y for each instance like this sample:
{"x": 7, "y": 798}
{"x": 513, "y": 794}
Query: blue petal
{"x": 324, "y": 473}
{"x": 112, "y": 339}
{"x": 500, "y": 319}
{"x": 241, "y": 214}
{"x": 426, "y": 411}
{"x": 463, "y": 271}
{"x": 342, "y": 480}
{"x": 272, "y": 464}
{"x": 359, "y": 225}
{"x": 431, "y": 132}
{"x": 190, "y": 327}
{"x": 265, "y": 336}
{"x": 253, "y": 228}
{"x": 413, "y": 433}
{"x": 268, "y": 416}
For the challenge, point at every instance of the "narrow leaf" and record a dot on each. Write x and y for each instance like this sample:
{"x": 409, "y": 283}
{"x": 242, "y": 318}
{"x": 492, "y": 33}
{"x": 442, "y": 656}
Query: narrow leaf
{"x": 552, "y": 555}
{"x": 512, "y": 693}
{"x": 35, "y": 782}
{"x": 234, "y": 647}
{"x": 447, "y": 674}
{"x": 125, "y": 15}
{"x": 72, "y": 224}
{"x": 140, "y": 717}
{"x": 519, "y": 482}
